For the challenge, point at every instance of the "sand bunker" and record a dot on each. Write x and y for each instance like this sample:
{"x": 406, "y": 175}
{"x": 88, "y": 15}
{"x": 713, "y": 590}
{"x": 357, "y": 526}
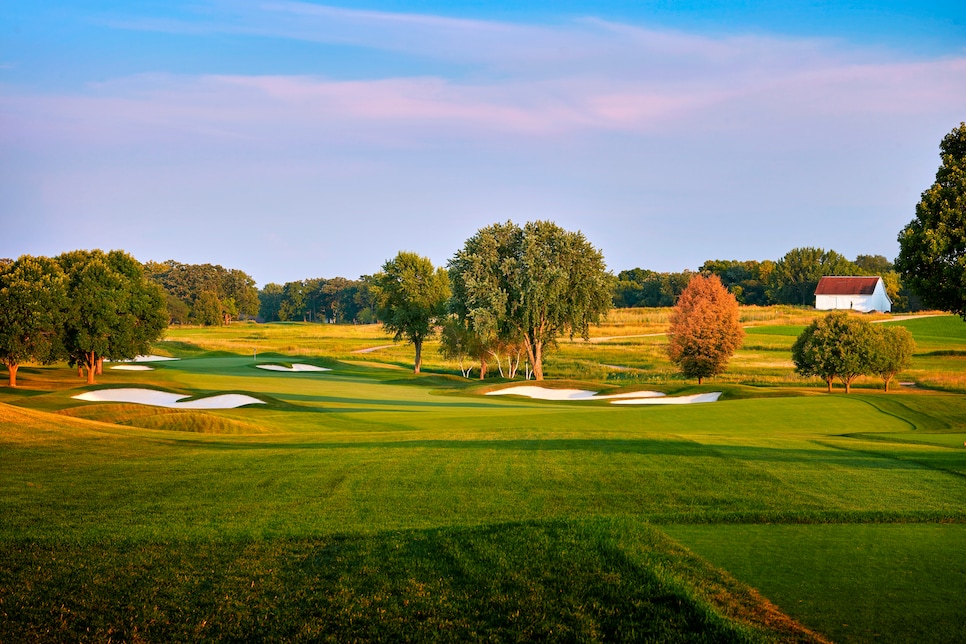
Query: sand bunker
{"x": 166, "y": 399}
{"x": 146, "y": 359}
{"x": 630, "y": 398}
{"x": 293, "y": 368}
{"x": 672, "y": 400}
{"x": 132, "y": 367}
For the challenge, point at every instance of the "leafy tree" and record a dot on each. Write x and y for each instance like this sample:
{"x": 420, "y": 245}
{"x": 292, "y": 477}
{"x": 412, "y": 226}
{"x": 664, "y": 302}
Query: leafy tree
{"x": 932, "y": 247}
{"x": 745, "y": 280}
{"x": 188, "y": 283}
{"x": 796, "y": 275}
{"x": 529, "y": 285}
{"x": 292, "y": 305}
{"x": 459, "y": 342}
{"x": 114, "y": 311}
{"x": 270, "y": 301}
{"x": 873, "y": 265}
{"x": 412, "y": 298}
{"x": 207, "y": 309}
{"x": 705, "y": 331}
{"x": 836, "y": 346}
{"x": 33, "y": 297}
{"x": 893, "y": 352}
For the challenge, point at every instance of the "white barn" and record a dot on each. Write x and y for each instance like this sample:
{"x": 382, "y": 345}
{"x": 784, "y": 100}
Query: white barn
{"x": 852, "y": 293}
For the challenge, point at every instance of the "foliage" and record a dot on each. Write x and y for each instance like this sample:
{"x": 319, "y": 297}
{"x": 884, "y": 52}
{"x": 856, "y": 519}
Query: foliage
{"x": 838, "y": 345}
{"x": 529, "y": 284}
{"x": 705, "y": 331}
{"x": 270, "y": 302}
{"x": 212, "y": 294}
{"x": 642, "y": 287}
{"x": 932, "y": 247}
{"x": 796, "y": 275}
{"x": 32, "y": 301}
{"x": 894, "y": 347}
{"x": 412, "y": 297}
{"x": 114, "y": 311}
{"x": 745, "y": 280}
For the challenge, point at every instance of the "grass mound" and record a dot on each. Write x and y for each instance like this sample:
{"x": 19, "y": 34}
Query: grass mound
{"x": 164, "y": 418}
{"x": 510, "y": 582}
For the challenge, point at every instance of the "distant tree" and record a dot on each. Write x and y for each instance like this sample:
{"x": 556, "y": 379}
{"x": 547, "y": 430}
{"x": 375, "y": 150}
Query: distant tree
{"x": 836, "y": 346}
{"x": 530, "y": 284}
{"x": 796, "y": 275}
{"x": 270, "y": 301}
{"x": 705, "y": 331}
{"x": 932, "y": 247}
{"x": 292, "y": 306}
{"x": 187, "y": 283}
{"x": 207, "y": 309}
{"x": 114, "y": 311}
{"x": 873, "y": 265}
{"x": 412, "y": 297}
{"x": 33, "y": 297}
{"x": 742, "y": 278}
{"x": 894, "y": 347}
{"x": 459, "y": 342}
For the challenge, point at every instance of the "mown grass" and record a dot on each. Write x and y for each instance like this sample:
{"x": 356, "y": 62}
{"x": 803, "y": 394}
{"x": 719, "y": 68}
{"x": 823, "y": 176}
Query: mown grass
{"x": 366, "y": 503}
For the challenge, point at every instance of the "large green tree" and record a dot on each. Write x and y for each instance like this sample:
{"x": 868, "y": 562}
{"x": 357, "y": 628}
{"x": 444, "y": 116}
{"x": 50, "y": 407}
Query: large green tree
{"x": 795, "y": 276}
{"x": 837, "y": 345}
{"x": 114, "y": 311}
{"x": 893, "y": 352}
{"x": 412, "y": 297}
{"x": 705, "y": 331}
{"x": 33, "y": 297}
{"x": 932, "y": 247}
{"x": 533, "y": 283}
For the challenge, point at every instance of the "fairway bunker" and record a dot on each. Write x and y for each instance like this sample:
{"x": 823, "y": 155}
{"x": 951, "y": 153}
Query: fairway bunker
{"x": 132, "y": 367}
{"x": 166, "y": 399}
{"x": 294, "y": 368}
{"x": 630, "y": 398}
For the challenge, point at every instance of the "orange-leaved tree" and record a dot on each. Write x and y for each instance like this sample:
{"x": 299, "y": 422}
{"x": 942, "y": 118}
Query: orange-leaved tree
{"x": 705, "y": 331}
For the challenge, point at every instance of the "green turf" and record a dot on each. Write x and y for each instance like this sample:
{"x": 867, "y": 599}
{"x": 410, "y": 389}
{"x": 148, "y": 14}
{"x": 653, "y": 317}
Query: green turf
{"x": 367, "y": 503}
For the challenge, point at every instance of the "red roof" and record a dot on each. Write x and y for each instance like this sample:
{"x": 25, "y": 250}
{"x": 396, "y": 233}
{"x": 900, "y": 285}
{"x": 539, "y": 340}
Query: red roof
{"x": 846, "y": 285}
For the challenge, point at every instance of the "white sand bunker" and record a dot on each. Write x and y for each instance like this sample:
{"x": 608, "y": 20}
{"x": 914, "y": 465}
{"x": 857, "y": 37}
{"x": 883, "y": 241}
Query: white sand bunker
{"x": 630, "y": 398}
{"x": 293, "y": 368}
{"x": 151, "y": 358}
{"x": 132, "y": 367}
{"x": 166, "y": 399}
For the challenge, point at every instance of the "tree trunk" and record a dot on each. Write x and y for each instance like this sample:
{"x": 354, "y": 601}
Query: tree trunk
{"x": 847, "y": 382}
{"x": 538, "y": 360}
{"x": 419, "y": 355}
{"x": 12, "y": 368}
{"x": 829, "y": 383}
{"x": 91, "y": 362}
{"x": 700, "y": 379}
{"x": 80, "y": 370}
{"x": 100, "y": 365}
{"x": 482, "y": 368}
{"x": 886, "y": 380}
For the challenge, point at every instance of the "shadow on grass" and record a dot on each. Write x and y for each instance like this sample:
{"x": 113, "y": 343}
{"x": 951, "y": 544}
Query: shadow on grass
{"x": 516, "y": 582}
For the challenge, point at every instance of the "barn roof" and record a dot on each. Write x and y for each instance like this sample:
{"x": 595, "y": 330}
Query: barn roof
{"x": 846, "y": 285}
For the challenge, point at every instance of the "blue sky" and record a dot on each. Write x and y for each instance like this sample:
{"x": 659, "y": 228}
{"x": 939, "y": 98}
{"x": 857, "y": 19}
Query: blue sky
{"x": 299, "y": 139}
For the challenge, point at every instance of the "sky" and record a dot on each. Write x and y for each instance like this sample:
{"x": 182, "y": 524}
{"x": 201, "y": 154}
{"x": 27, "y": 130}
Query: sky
{"x": 296, "y": 139}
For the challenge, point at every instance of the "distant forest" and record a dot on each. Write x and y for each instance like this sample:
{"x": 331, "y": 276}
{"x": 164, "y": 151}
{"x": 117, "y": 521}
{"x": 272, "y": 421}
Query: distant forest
{"x": 208, "y": 294}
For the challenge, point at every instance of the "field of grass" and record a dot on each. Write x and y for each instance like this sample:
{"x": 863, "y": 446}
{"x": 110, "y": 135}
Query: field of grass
{"x": 368, "y": 504}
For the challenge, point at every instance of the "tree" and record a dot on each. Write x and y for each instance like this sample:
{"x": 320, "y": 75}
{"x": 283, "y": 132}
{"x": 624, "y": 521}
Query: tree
{"x": 33, "y": 297}
{"x": 270, "y": 301}
{"x": 893, "y": 352}
{"x": 837, "y": 345}
{"x": 529, "y": 284}
{"x": 412, "y": 298}
{"x": 705, "y": 331}
{"x": 932, "y": 247}
{"x": 796, "y": 275}
{"x": 114, "y": 312}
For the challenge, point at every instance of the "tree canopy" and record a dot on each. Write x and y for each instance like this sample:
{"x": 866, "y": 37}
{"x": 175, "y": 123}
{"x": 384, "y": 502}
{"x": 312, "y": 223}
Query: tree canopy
{"x": 114, "y": 312}
{"x": 796, "y": 275}
{"x": 529, "y": 284}
{"x": 837, "y": 345}
{"x": 705, "y": 331}
{"x": 932, "y": 247}
{"x": 33, "y": 297}
{"x": 205, "y": 294}
{"x": 412, "y": 297}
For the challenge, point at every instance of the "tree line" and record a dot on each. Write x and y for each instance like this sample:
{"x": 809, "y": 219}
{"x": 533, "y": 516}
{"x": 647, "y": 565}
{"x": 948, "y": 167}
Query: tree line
{"x": 335, "y": 300}
{"x": 789, "y": 280}
{"x": 81, "y": 306}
